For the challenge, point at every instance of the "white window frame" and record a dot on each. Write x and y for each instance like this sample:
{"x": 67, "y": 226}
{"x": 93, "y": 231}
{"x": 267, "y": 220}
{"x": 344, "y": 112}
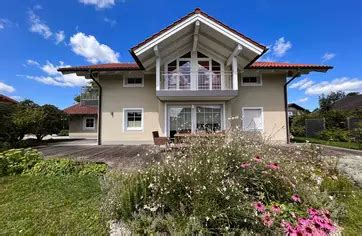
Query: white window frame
{"x": 125, "y": 78}
{"x": 127, "y": 129}
{"x": 252, "y": 108}
{"x": 85, "y": 122}
{"x": 252, "y": 84}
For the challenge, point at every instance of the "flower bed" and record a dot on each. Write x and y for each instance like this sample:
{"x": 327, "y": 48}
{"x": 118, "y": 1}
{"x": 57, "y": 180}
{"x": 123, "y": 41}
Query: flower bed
{"x": 227, "y": 184}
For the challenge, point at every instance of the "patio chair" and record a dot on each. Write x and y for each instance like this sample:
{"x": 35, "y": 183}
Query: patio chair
{"x": 159, "y": 140}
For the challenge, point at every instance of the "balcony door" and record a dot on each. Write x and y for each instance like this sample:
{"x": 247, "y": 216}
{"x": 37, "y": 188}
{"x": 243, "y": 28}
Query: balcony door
{"x": 194, "y": 118}
{"x": 197, "y": 67}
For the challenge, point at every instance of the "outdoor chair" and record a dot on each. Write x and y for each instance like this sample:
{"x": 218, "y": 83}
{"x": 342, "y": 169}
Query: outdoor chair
{"x": 159, "y": 140}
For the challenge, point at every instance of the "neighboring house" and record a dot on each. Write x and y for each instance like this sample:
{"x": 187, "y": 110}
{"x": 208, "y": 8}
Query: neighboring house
{"x": 192, "y": 76}
{"x": 294, "y": 109}
{"x": 83, "y": 115}
{"x": 348, "y": 103}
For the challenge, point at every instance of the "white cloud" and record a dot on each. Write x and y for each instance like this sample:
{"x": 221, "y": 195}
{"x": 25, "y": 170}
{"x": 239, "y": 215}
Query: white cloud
{"x": 31, "y": 62}
{"x": 59, "y": 37}
{"x": 37, "y": 26}
{"x": 110, "y": 21}
{"x": 302, "y": 100}
{"x": 37, "y": 7}
{"x": 99, "y": 3}
{"x": 302, "y": 84}
{"x": 4, "y": 23}
{"x": 344, "y": 84}
{"x": 94, "y": 52}
{"x": 17, "y": 98}
{"x": 54, "y": 77}
{"x": 5, "y": 88}
{"x": 328, "y": 56}
{"x": 281, "y": 46}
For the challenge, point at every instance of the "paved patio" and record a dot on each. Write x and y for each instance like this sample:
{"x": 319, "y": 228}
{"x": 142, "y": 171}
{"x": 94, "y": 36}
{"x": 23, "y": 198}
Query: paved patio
{"x": 123, "y": 157}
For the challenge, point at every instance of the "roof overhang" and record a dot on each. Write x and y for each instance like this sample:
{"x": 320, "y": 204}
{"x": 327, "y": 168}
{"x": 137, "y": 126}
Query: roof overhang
{"x": 209, "y": 34}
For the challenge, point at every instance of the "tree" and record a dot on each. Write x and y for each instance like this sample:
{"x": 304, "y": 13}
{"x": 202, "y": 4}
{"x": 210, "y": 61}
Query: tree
{"x": 49, "y": 121}
{"x": 77, "y": 98}
{"x": 325, "y": 102}
{"x": 352, "y": 94}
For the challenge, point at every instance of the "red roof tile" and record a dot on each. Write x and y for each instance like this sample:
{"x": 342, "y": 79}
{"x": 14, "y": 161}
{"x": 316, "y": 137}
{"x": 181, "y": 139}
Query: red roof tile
{"x": 5, "y": 99}
{"x": 134, "y": 66}
{"x": 102, "y": 67}
{"x": 198, "y": 11}
{"x": 285, "y": 65}
{"x": 79, "y": 109}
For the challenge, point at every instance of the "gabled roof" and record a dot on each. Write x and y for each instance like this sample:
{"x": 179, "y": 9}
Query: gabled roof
{"x": 6, "y": 99}
{"x": 349, "y": 103}
{"x": 296, "y": 106}
{"x": 79, "y": 109}
{"x": 181, "y": 20}
{"x": 134, "y": 66}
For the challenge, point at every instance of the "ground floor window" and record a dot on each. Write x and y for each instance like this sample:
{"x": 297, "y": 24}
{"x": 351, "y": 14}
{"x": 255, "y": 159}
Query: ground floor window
{"x": 193, "y": 118}
{"x": 252, "y": 119}
{"x": 89, "y": 123}
{"x": 133, "y": 119}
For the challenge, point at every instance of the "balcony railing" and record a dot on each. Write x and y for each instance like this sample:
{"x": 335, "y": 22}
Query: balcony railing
{"x": 196, "y": 81}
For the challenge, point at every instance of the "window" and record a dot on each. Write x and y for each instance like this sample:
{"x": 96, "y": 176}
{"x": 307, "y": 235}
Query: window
{"x": 251, "y": 81}
{"x": 133, "y": 119}
{"x": 89, "y": 123}
{"x": 253, "y": 119}
{"x": 133, "y": 81}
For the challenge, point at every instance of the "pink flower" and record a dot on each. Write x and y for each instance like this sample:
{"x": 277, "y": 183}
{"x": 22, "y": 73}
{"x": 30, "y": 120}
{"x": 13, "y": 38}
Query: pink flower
{"x": 312, "y": 211}
{"x": 259, "y": 206}
{"x": 296, "y": 198}
{"x": 273, "y": 166}
{"x": 257, "y": 158}
{"x": 245, "y": 165}
{"x": 267, "y": 220}
{"x": 276, "y": 209}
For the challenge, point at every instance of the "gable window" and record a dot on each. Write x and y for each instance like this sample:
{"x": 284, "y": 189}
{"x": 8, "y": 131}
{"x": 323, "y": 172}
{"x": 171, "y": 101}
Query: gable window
{"x": 251, "y": 81}
{"x": 133, "y": 119}
{"x": 89, "y": 123}
{"x": 133, "y": 81}
{"x": 253, "y": 119}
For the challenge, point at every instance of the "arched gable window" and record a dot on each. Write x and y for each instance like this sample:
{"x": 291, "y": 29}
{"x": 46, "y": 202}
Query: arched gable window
{"x": 193, "y": 71}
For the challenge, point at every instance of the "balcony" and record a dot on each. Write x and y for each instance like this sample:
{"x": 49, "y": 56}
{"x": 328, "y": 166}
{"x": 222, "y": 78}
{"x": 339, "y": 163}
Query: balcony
{"x": 203, "y": 85}
{"x": 89, "y": 96}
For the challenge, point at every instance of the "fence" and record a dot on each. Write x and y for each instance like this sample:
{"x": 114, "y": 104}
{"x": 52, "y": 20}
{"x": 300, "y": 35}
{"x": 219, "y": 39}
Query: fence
{"x": 314, "y": 127}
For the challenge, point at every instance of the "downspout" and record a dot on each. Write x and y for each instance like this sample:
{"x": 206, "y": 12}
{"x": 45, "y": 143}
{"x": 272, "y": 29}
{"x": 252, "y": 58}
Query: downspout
{"x": 286, "y": 104}
{"x": 99, "y": 136}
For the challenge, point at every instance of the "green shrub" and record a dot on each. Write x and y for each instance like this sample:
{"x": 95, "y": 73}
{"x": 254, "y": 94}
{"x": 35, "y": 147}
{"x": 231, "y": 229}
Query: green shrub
{"x": 62, "y": 167}
{"x": 17, "y": 161}
{"x": 211, "y": 186}
{"x": 63, "y": 132}
{"x": 338, "y": 135}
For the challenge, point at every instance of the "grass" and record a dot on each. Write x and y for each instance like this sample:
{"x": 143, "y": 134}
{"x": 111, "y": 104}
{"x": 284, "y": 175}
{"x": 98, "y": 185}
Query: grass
{"x": 51, "y": 205}
{"x": 349, "y": 196}
{"x": 350, "y": 145}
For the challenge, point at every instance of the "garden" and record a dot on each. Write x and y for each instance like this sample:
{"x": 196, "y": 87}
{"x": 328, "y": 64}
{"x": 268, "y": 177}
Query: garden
{"x": 215, "y": 185}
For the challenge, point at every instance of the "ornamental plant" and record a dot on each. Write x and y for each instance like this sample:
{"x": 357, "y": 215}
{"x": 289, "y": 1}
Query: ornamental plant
{"x": 239, "y": 183}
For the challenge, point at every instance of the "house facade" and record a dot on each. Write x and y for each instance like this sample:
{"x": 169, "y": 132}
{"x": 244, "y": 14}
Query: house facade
{"x": 196, "y": 75}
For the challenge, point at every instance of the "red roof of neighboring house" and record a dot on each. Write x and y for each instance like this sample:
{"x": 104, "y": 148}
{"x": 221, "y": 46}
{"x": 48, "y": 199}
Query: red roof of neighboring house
{"x": 79, "y": 109}
{"x": 5, "y": 99}
{"x": 134, "y": 66}
{"x": 197, "y": 11}
{"x": 285, "y": 65}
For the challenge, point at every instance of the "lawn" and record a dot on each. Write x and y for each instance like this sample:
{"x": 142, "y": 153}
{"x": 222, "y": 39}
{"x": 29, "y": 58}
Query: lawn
{"x": 357, "y": 146}
{"x": 349, "y": 196}
{"x": 51, "y": 205}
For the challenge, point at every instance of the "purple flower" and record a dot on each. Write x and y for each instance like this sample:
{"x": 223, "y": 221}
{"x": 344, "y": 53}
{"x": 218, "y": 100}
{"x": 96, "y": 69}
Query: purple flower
{"x": 245, "y": 165}
{"x": 296, "y": 198}
{"x": 259, "y": 206}
{"x": 273, "y": 166}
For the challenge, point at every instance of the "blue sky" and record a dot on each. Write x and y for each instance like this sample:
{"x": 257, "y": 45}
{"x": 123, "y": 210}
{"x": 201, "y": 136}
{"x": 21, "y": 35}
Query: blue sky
{"x": 36, "y": 36}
